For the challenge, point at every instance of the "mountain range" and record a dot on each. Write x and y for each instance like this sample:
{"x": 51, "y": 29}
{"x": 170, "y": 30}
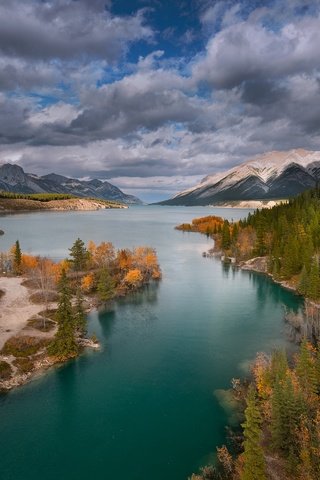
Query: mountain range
{"x": 273, "y": 175}
{"x": 14, "y": 179}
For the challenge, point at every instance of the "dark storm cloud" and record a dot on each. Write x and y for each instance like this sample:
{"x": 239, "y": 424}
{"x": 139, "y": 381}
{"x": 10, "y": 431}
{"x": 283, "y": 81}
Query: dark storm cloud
{"x": 66, "y": 29}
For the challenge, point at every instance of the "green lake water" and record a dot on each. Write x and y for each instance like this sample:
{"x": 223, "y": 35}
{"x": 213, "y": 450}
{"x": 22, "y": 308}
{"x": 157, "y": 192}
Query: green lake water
{"x": 144, "y": 407}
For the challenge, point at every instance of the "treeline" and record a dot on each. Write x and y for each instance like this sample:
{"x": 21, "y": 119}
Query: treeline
{"x": 39, "y": 197}
{"x": 281, "y": 429}
{"x": 287, "y": 234}
{"x": 97, "y": 271}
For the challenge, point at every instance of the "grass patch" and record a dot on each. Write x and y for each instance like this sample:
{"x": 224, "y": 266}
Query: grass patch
{"x": 41, "y": 323}
{"x": 50, "y": 313}
{"x": 24, "y": 365}
{"x": 30, "y": 283}
{"x": 5, "y": 370}
{"x": 23, "y": 346}
{"x": 38, "y": 297}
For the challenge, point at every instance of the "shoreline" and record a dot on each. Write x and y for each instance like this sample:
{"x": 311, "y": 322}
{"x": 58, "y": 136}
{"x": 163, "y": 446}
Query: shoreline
{"x": 12, "y": 206}
{"x": 16, "y": 305}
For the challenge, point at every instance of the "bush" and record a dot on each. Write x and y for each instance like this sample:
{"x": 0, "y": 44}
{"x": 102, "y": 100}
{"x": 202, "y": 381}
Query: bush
{"x": 24, "y": 365}
{"x": 5, "y": 370}
{"x": 41, "y": 323}
{"x": 23, "y": 346}
{"x": 38, "y": 297}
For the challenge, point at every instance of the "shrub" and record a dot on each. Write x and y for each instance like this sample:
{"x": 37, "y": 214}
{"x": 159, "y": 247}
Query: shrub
{"x": 23, "y": 346}
{"x": 24, "y": 365}
{"x": 5, "y": 370}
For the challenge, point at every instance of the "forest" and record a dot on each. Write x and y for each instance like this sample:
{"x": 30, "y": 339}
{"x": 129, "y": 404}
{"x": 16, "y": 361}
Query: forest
{"x": 287, "y": 234}
{"x": 40, "y": 197}
{"x": 281, "y": 421}
{"x": 280, "y": 431}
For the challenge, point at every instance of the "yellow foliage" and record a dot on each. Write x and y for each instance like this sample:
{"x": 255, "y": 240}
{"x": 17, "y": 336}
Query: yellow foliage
{"x": 28, "y": 262}
{"x": 87, "y": 282}
{"x": 133, "y": 277}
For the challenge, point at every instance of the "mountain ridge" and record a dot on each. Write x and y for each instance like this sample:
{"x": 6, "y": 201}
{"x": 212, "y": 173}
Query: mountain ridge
{"x": 13, "y": 178}
{"x": 272, "y": 175}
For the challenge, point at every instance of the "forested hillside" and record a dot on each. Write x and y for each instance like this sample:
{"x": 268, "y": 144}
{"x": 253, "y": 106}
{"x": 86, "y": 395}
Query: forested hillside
{"x": 287, "y": 234}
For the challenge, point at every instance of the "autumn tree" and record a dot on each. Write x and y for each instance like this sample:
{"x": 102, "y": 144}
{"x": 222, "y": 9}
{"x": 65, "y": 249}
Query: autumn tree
{"x": 44, "y": 276}
{"x": 88, "y": 282}
{"x": 133, "y": 278}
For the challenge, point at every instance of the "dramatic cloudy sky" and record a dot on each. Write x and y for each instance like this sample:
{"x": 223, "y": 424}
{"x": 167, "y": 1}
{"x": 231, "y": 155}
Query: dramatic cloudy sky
{"x": 155, "y": 94}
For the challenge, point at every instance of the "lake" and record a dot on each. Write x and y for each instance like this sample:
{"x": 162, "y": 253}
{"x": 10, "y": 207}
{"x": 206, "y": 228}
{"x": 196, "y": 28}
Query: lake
{"x": 145, "y": 406}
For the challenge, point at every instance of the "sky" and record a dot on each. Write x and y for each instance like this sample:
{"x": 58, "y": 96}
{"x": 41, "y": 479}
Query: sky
{"x": 153, "y": 95}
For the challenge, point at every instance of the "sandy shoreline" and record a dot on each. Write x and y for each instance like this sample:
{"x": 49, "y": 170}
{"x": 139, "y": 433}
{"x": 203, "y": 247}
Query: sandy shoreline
{"x": 15, "y": 308}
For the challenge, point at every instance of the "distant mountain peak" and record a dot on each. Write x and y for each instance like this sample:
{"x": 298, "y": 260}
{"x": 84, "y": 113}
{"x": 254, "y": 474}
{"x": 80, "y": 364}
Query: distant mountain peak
{"x": 276, "y": 174}
{"x": 14, "y": 178}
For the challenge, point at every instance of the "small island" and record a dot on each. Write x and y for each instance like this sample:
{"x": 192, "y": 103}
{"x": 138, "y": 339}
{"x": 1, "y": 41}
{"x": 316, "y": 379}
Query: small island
{"x": 44, "y": 303}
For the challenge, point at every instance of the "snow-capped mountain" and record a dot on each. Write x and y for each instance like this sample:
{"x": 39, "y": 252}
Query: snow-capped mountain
{"x": 14, "y": 179}
{"x": 273, "y": 175}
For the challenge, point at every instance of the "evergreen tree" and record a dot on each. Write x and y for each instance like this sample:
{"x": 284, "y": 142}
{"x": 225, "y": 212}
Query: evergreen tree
{"x": 254, "y": 462}
{"x": 79, "y": 255}
{"x": 303, "y": 281}
{"x": 260, "y": 246}
{"x": 79, "y": 314}
{"x": 64, "y": 344}
{"x": 306, "y": 369}
{"x": 17, "y": 258}
{"x": 105, "y": 286}
{"x": 314, "y": 281}
{"x": 225, "y": 239}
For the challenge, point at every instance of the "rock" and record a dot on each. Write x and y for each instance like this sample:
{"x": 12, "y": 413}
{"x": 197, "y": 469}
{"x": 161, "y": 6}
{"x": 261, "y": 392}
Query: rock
{"x": 1, "y": 232}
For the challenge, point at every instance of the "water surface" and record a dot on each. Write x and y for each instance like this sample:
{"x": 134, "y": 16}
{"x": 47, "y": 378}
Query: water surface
{"x": 144, "y": 407}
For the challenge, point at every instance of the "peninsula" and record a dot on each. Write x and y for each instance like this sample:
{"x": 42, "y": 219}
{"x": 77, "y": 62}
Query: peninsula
{"x": 16, "y": 202}
{"x": 44, "y": 303}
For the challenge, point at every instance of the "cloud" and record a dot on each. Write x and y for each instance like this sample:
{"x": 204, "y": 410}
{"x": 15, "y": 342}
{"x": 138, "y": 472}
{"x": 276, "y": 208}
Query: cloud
{"x": 78, "y": 99}
{"x": 66, "y": 30}
{"x": 248, "y": 50}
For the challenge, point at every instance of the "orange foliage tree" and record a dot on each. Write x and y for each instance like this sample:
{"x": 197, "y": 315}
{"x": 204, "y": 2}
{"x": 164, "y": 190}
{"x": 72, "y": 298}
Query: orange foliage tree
{"x": 133, "y": 278}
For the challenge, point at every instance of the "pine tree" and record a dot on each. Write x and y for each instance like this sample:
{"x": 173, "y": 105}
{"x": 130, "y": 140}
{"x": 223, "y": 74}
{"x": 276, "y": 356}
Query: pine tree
{"x": 260, "y": 246}
{"x": 79, "y": 255}
{"x": 105, "y": 286}
{"x": 303, "y": 281}
{"x": 17, "y": 258}
{"x": 306, "y": 369}
{"x": 254, "y": 462}
{"x": 314, "y": 281}
{"x": 79, "y": 314}
{"x": 64, "y": 344}
{"x": 225, "y": 240}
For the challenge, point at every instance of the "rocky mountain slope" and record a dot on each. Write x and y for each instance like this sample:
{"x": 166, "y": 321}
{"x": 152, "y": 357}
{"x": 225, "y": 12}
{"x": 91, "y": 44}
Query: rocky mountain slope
{"x": 14, "y": 179}
{"x": 273, "y": 175}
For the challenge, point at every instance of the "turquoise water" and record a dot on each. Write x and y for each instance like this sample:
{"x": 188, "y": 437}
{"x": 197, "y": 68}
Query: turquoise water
{"x": 144, "y": 407}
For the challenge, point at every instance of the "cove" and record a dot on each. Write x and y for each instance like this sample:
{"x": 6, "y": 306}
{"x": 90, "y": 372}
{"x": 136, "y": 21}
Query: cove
{"x": 144, "y": 407}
